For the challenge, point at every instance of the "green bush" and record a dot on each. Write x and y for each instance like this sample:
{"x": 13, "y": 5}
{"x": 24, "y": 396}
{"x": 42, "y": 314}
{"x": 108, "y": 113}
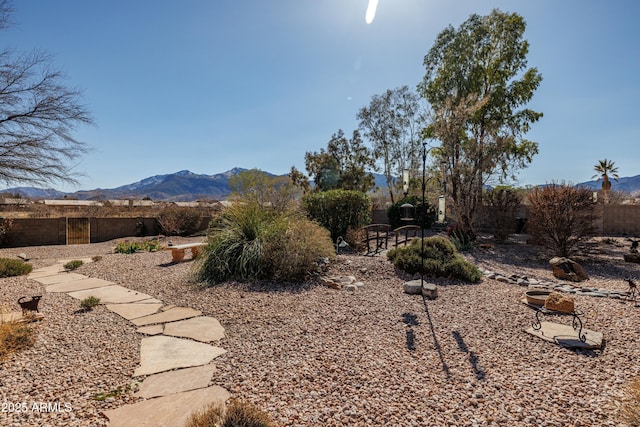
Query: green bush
{"x": 250, "y": 242}
{"x": 73, "y": 264}
{"x": 127, "y": 247}
{"x": 395, "y": 213}
{"x": 89, "y": 302}
{"x": 13, "y": 267}
{"x": 338, "y": 210}
{"x": 440, "y": 260}
{"x": 179, "y": 221}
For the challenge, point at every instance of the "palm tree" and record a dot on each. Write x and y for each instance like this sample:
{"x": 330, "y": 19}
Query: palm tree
{"x": 604, "y": 169}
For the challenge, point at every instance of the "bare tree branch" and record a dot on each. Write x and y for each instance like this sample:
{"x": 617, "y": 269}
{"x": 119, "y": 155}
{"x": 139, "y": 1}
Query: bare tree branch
{"x": 38, "y": 116}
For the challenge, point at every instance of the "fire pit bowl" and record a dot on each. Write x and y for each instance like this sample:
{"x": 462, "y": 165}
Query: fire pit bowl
{"x": 536, "y": 297}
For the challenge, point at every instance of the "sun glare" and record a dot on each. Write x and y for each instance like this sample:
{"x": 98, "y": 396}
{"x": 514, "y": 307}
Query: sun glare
{"x": 371, "y": 11}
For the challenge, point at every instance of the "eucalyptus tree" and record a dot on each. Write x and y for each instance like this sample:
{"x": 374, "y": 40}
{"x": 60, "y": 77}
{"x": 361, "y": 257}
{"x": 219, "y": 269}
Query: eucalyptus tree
{"x": 38, "y": 115}
{"x": 605, "y": 169}
{"x": 477, "y": 84}
{"x": 344, "y": 164}
{"x": 393, "y": 123}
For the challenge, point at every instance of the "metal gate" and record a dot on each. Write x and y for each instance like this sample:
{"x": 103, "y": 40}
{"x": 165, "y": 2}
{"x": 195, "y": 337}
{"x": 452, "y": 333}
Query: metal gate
{"x": 78, "y": 231}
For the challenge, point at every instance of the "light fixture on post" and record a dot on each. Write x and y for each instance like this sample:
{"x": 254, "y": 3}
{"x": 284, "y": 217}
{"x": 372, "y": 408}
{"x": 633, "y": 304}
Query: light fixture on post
{"x": 405, "y": 182}
{"x": 406, "y": 207}
{"x": 442, "y": 208}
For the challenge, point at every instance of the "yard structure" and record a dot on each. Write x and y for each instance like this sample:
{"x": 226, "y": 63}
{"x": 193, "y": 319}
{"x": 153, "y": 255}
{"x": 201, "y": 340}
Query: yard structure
{"x": 312, "y": 355}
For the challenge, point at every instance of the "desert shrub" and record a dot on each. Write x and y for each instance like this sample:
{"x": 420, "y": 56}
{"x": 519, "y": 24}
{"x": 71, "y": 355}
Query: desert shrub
{"x": 440, "y": 259}
{"x": 461, "y": 239}
{"x": 15, "y": 336}
{"x": 395, "y": 213}
{"x": 338, "y": 210}
{"x": 560, "y": 217}
{"x": 291, "y": 254}
{"x": 250, "y": 242}
{"x": 355, "y": 238}
{"x": 127, "y": 247}
{"x": 89, "y": 302}
{"x": 179, "y": 221}
{"x": 14, "y": 267}
{"x": 236, "y": 414}
{"x": 629, "y": 403}
{"x": 501, "y": 208}
{"x": 73, "y": 264}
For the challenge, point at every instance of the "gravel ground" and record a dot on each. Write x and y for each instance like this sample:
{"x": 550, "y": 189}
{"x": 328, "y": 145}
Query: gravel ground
{"x": 313, "y": 356}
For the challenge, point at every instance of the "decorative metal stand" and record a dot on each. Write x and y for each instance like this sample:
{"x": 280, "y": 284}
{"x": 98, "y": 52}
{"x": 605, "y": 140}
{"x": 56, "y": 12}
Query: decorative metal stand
{"x": 576, "y": 323}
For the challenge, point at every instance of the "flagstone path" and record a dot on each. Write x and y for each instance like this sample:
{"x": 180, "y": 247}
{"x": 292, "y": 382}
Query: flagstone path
{"x": 176, "y": 353}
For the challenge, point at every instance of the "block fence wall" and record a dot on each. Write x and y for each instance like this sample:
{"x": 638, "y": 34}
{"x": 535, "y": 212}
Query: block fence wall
{"x": 610, "y": 220}
{"x": 53, "y": 231}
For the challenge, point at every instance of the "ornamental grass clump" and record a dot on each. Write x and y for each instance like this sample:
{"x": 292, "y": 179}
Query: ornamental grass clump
{"x": 629, "y": 403}
{"x": 14, "y": 267}
{"x": 236, "y": 414}
{"x": 15, "y": 336}
{"x": 73, "y": 264}
{"x": 250, "y": 242}
{"x": 440, "y": 259}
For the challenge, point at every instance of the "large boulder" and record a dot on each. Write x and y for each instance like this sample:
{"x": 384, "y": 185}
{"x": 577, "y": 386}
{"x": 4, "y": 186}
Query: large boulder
{"x": 567, "y": 269}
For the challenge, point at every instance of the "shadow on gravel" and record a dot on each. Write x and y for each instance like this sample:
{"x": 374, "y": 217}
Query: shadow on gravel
{"x": 436, "y": 343}
{"x": 473, "y": 358}
{"x": 410, "y": 320}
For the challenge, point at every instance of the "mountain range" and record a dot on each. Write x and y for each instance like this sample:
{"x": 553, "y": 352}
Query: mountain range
{"x": 187, "y": 186}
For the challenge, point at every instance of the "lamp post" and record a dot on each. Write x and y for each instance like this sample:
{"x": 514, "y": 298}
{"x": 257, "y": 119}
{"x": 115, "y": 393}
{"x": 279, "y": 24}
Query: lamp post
{"x": 422, "y": 212}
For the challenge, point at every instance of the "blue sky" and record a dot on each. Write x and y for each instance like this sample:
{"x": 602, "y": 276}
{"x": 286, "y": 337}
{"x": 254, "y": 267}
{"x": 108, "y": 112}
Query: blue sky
{"x": 211, "y": 85}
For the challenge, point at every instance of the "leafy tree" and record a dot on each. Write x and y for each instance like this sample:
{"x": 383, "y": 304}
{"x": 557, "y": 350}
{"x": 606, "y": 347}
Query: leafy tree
{"x": 256, "y": 186}
{"x": 393, "y": 123}
{"x": 343, "y": 165}
{"x": 477, "y": 82}
{"x": 38, "y": 113}
{"x": 299, "y": 179}
{"x": 604, "y": 168}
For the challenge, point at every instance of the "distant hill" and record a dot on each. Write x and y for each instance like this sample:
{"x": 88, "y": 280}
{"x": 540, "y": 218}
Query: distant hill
{"x": 630, "y": 185}
{"x": 182, "y": 186}
{"x": 186, "y": 186}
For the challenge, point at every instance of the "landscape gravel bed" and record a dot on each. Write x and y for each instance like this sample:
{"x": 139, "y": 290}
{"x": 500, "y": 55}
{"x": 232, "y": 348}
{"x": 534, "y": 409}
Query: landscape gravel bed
{"x": 310, "y": 355}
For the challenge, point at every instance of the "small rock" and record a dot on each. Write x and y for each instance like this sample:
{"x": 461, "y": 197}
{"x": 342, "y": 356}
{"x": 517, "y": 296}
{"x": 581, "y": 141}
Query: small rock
{"x": 413, "y": 287}
{"x": 23, "y": 256}
{"x": 429, "y": 290}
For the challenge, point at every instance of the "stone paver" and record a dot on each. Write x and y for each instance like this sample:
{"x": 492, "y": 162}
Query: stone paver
{"x": 149, "y": 301}
{"x": 176, "y": 381}
{"x": 78, "y": 285}
{"x": 59, "y": 278}
{"x": 171, "y": 315}
{"x": 161, "y": 353}
{"x": 169, "y": 411}
{"x": 566, "y": 336}
{"x": 51, "y": 270}
{"x": 205, "y": 329}
{"x": 151, "y": 330}
{"x": 134, "y": 310}
{"x": 179, "y": 369}
{"x": 114, "y": 294}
